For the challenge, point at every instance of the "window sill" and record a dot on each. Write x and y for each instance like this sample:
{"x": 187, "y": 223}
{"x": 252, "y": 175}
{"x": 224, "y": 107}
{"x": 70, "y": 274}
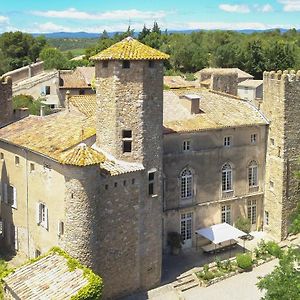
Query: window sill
{"x": 153, "y": 196}
{"x": 227, "y": 194}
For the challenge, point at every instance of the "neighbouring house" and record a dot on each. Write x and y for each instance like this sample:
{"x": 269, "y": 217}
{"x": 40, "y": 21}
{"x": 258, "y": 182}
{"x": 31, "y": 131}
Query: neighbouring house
{"x": 222, "y": 79}
{"x": 76, "y": 82}
{"x": 52, "y": 85}
{"x": 110, "y": 176}
{"x": 251, "y": 89}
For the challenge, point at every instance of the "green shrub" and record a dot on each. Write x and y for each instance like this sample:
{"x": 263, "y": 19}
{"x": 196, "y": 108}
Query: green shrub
{"x": 243, "y": 224}
{"x": 190, "y": 77}
{"x": 208, "y": 276}
{"x": 274, "y": 249}
{"x": 205, "y": 268}
{"x": 244, "y": 261}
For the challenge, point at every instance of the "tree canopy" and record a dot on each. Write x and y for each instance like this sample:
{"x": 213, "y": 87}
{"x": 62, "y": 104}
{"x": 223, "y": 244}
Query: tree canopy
{"x": 18, "y": 49}
{"x": 190, "y": 52}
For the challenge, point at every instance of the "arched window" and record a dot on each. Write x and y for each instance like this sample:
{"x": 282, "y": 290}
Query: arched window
{"x": 226, "y": 178}
{"x": 186, "y": 184}
{"x": 253, "y": 174}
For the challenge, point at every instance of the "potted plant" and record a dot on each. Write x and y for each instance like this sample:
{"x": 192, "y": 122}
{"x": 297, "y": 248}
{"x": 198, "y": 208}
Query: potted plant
{"x": 175, "y": 242}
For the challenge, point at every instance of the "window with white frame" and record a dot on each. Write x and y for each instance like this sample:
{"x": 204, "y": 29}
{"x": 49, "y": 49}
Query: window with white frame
{"x": 127, "y": 140}
{"x": 253, "y": 138}
{"x": 226, "y": 214}
{"x": 253, "y": 174}
{"x": 42, "y": 215}
{"x": 186, "y": 177}
{"x": 186, "y": 146}
{"x": 251, "y": 211}
{"x": 227, "y": 178}
{"x": 227, "y": 141}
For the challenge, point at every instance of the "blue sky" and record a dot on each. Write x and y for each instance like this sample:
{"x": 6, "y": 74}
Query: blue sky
{"x": 116, "y": 15}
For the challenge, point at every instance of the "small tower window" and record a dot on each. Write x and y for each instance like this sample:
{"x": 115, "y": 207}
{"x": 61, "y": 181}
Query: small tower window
{"x": 151, "y": 183}
{"x": 105, "y": 64}
{"x": 151, "y": 64}
{"x": 186, "y": 145}
{"x": 126, "y": 64}
{"x": 227, "y": 141}
{"x": 127, "y": 141}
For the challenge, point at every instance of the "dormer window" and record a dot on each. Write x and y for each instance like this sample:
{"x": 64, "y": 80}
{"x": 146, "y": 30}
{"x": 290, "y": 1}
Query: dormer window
{"x": 127, "y": 141}
{"x": 105, "y": 64}
{"x": 126, "y": 64}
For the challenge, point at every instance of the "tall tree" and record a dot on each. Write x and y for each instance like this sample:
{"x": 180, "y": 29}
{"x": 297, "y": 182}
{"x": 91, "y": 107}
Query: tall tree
{"x": 145, "y": 31}
{"x": 255, "y": 59}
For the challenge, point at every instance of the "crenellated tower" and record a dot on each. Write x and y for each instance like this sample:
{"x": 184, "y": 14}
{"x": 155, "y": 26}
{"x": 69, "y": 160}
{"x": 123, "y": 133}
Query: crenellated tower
{"x": 281, "y": 105}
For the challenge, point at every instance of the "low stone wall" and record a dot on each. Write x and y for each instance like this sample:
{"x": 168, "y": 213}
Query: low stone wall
{"x": 25, "y": 72}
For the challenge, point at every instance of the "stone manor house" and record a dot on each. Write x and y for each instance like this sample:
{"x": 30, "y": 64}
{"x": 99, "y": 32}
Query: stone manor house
{"x": 107, "y": 178}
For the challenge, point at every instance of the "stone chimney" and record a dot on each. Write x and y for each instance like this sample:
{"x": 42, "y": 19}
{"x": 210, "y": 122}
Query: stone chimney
{"x": 191, "y": 102}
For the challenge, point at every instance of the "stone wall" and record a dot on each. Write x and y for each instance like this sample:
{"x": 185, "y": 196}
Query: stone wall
{"x": 26, "y": 72}
{"x": 6, "y": 111}
{"x": 281, "y": 106}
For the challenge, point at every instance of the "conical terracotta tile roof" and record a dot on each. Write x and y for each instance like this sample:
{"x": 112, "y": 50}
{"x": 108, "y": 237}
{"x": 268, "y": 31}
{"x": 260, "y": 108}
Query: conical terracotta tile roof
{"x": 82, "y": 156}
{"x": 130, "y": 49}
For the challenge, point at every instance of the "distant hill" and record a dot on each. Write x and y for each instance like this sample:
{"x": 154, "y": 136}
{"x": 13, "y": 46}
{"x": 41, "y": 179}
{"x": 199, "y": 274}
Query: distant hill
{"x": 86, "y": 35}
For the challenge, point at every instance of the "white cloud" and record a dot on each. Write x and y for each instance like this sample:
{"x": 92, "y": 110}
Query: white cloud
{"x": 290, "y": 5}
{"x": 265, "y": 8}
{"x": 226, "y": 26}
{"x": 4, "y": 19}
{"x": 49, "y": 27}
{"x": 73, "y": 13}
{"x": 236, "y": 8}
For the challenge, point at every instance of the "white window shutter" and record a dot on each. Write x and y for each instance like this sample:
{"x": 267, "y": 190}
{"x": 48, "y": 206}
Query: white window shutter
{"x": 46, "y": 218}
{"x": 38, "y": 213}
{"x": 1, "y": 196}
{"x": 14, "y": 197}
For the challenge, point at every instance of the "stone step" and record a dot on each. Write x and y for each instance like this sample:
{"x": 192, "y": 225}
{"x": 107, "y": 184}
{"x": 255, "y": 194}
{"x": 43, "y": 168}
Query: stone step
{"x": 180, "y": 283}
{"x": 189, "y": 286}
{"x": 185, "y": 275}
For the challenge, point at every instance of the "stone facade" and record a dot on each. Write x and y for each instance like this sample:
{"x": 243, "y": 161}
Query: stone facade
{"x": 6, "y": 111}
{"x": 281, "y": 106}
{"x": 205, "y": 158}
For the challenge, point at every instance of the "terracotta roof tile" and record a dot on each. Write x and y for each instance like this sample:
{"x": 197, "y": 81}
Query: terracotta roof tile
{"x": 130, "y": 49}
{"x": 81, "y": 156}
{"x": 47, "y": 278}
{"x": 86, "y": 104}
{"x": 50, "y": 135}
{"x": 218, "y": 111}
